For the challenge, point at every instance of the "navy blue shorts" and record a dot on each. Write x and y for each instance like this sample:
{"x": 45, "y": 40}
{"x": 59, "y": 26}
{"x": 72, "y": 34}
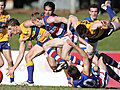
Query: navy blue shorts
{"x": 4, "y": 45}
{"x": 41, "y": 44}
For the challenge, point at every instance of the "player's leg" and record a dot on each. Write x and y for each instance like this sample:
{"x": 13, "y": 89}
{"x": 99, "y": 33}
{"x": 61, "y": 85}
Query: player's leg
{"x": 48, "y": 47}
{"x": 110, "y": 12}
{"x": 103, "y": 76}
{"x": 1, "y": 61}
{"x": 110, "y": 61}
{"x": 52, "y": 63}
{"x": 7, "y": 54}
{"x": 34, "y": 51}
{"x": 113, "y": 74}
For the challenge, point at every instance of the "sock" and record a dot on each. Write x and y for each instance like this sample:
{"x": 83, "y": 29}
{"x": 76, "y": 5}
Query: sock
{"x": 30, "y": 68}
{"x": 68, "y": 78}
{"x": 51, "y": 52}
{"x": 75, "y": 60}
{"x": 11, "y": 78}
{"x": 111, "y": 14}
{"x": 113, "y": 63}
{"x": 110, "y": 61}
{"x": 115, "y": 77}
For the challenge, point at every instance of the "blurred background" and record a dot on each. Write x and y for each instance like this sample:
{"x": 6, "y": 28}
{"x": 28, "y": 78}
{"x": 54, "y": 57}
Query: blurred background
{"x": 72, "y": 5}
{"x": 22, "y": 10}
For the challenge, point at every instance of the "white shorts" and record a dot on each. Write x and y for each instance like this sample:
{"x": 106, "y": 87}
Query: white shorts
{"x": 74, "y": 39}
{"x": 104, "y": 78}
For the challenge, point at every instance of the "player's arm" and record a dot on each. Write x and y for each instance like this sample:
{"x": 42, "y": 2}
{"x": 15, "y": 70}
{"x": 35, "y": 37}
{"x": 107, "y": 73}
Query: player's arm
{"x": 21, "y": 53}
{"x": 82, "y": 41}
{"x": 19, "y": 57}
{"x": 52, "y": 20}
{"x": 72, "y": 21}
{"x": 28, "y": 24}
{"x": 84, "y": 56}
{"x": 101, "y": 24}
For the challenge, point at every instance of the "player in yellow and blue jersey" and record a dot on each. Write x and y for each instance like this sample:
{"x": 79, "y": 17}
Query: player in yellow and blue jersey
{"x": 4, "y": 43}
{"x": 28, "y": 31}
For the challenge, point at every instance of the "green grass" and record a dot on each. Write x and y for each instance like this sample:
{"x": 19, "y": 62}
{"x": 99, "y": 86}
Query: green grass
{"x": 7, "y": 87}
{"x": 110, "y": 43}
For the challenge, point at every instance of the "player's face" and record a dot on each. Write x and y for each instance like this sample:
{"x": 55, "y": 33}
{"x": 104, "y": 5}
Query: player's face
{"x": 1, "y": 7}
{"x": 93, "y": 13}
{"x": 37, "y": 23}
{"x": 48, "y": 11}
{"x": 12, "y": 30}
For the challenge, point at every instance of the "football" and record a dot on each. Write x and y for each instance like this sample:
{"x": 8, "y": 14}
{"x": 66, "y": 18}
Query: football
{"x": 1, "y": 76}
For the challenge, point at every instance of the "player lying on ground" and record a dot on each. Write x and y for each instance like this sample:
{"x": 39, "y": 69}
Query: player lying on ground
{"x": 86, "y": 79}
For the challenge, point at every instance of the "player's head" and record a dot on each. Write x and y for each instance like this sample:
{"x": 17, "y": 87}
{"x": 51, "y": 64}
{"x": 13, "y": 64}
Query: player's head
{"x": 13, "y": 25}
{"x": 36, "y": 18}
{"x": 73, "y": 72}
{"x": 81, "y": 30}
{"x": 49, "y": 8}
{"x": 2, "y": 5}
{"x": 93, "y": 11}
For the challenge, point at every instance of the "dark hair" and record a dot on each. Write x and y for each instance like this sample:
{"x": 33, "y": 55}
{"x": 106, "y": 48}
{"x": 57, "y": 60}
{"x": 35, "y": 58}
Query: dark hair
{"x": 50, "y": 4}
{"x": 73, "y": 72}
{"x": 94, "y": 6}
{"x": 13, "y": 22}
{"x": 81, "y": 30}
{"x": 36, "y": 15}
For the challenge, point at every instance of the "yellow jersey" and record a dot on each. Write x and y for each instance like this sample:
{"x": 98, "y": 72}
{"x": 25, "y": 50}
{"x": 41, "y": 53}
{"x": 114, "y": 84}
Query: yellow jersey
{"x": 3, "y": 32}
{"x": 90, "y": 33}
{"x": 33, "y": 33}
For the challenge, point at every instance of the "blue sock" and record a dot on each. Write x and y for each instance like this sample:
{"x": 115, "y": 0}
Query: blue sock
{"x": 11, "y": 78}
{"x": 111, "y": 14}
{"x": 30, "y": 68}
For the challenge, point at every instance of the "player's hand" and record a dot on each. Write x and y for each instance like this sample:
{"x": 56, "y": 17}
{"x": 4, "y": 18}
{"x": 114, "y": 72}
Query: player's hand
{"x": 105, "y": 24}
{"x": 30, "y": 45}
{"x": 46, "y": 34}
{"x": 10, "y": 71}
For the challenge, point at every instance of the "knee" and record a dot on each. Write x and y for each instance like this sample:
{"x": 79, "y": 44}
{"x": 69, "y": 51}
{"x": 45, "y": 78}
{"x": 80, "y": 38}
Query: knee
{"x": 27, "y": 57}
{"x": 64, "y": 57}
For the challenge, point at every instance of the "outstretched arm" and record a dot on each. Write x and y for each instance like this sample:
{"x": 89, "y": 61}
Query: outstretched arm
{"x": 86, "y": 62}
{"x": 72, "y": 21}
{"x": 101, "y": 24}
{"x": 19, "y": 58}
{"x": 52, "y": 20}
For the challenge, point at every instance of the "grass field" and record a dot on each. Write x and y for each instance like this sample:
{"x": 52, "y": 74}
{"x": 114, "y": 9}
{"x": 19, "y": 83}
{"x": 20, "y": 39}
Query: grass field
{"x": 108, "y": 44}
{"x": 8, "y": 87}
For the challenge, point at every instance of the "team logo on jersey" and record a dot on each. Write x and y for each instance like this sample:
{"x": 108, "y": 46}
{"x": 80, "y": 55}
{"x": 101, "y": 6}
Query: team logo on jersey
{"x": 24, "y": 38}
